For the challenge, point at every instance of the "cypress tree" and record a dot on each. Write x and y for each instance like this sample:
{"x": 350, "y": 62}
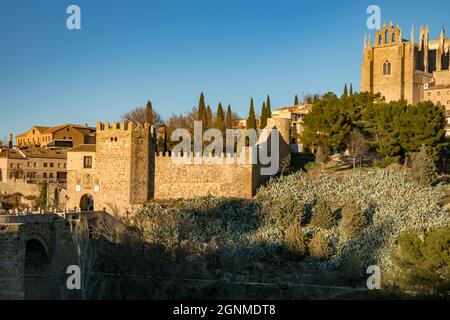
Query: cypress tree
{"x": 251, "y": 120}
{"x": 220, "y": 118}
{"x": 263, "y": 119}
{"x": 209, "y": 119}
{"x": 296, "y": 101}
{"x": 268, "y": 108}
{"x": 229, "y": 118}
{"x": 201, "y": 116}
{"x": 345, "y": 91}
{"x": 351, "y": 89}
{"x": 149, "y": 113}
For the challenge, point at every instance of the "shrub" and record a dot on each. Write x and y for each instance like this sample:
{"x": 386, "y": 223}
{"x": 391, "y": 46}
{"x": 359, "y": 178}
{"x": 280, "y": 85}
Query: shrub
{"x": 284, "y": 208}
{"x": 352, "y": 269}
{"x": 423, "y": 168}
{"x": 353, "y": 221}
{"x": 322, "y": 216}
{"x": 397, "y": 204}
{"x": 319, "y": 247}
{"x": 423, "y": 261}
{"x": 386, "y": 162}
{"x": 287, "y": 211}
{"x": 296, "y": 240}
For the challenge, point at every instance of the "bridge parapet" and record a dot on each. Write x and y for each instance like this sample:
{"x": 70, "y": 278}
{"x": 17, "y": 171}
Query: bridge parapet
{"x": 32, "y": 218}
{"x": 46, "y": 217}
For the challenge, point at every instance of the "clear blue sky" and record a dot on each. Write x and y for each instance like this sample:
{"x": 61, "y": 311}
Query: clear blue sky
{"x": 169, "y": 51}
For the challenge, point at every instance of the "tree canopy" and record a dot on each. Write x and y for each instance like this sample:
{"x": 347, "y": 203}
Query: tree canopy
{"x": 393, "y": 129}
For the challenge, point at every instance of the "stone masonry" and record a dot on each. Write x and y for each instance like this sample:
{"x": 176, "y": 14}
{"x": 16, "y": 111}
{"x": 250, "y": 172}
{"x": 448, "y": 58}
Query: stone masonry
{"x": 124, "y": 171}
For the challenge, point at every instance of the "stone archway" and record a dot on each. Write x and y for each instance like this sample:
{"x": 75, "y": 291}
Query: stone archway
{"x": 87, "y": 203}
{"x": 36, "y": 273}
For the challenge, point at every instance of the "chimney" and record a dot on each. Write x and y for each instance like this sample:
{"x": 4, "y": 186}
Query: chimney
{"x": 10, "y": 144}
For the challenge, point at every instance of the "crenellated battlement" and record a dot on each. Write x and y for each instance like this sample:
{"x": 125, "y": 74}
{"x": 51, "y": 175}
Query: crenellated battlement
{"x": 125, "y": 126}
{"x": 169, "y": 154}
{"x": 243, "y": 157}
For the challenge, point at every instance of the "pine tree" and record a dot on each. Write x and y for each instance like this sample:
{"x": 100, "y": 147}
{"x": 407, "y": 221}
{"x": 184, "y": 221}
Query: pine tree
{"x": 229, "y": 118}
{"x": 351, "y": 89}
{"x": 296, "y": 101}
{"x": 251, "y": 120}
{"x": 268, "y": 108}
{"x": 149, "y": 113}
{"x": 345, "y": 91}
{"x": 220, "y": 118}
{"x": 263, "y": 119}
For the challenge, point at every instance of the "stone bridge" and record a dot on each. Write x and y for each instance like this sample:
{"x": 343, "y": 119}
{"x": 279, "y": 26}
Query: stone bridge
{"x": 35, "y": 251}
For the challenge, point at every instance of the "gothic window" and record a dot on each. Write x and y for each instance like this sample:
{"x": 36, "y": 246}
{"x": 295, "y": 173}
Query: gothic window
{"x": 380, "y": 39}
{"x": 386, "y": 35}
{"x": 393, "y": 37}
{"x": 386, "y": 68}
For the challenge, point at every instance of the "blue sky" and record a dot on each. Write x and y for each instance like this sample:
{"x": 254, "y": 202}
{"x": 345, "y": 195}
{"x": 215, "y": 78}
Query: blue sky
{"x": 168, "y": 51}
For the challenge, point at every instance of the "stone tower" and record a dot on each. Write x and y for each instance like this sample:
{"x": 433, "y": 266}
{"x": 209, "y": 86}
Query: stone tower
{"x": 284, "y": 128}
{"x": 398, "y": 68}
{"x": 124, "y": 164}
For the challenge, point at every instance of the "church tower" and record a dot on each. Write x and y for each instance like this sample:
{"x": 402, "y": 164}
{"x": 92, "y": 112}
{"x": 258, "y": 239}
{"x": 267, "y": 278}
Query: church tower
{"x": 395, "y": 67}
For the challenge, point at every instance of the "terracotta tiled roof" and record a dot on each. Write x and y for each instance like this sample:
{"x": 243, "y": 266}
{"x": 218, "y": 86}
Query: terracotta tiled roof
{"x": 57, "y": 128}
{"x": 50, "y": 130}
{"x": 10, "y": 154}
{"x": 84, "y": 148}
{"x": 437, "y": 87}
{"x": 44, "y": 153}
{"x": 41, "y": 129}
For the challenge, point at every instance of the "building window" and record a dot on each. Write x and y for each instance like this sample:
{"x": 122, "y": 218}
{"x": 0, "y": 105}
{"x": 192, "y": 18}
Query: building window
{"x": 45, "y": 175}
{"x": 380, "y": 39}
{"x": 51, "y": 164}
{"x": 51, "y": 175}
{"x": 35, "y": 165}
{"x": 386, "y": 36}
{"x": 393, "y": 37}
{"x": 87, "y": 162}
{"x": 45, "y": 164}
{"x": 12, "y": 165}
{"x": 386, "y": 68}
